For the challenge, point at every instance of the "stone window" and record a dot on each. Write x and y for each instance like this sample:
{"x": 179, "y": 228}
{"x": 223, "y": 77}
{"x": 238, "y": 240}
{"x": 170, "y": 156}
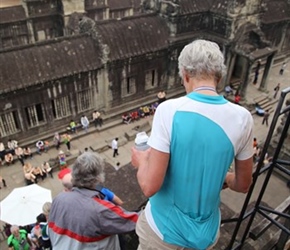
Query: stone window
{"x": 128, "y": 86}
{"x": 117, "y": 14}
{"x": 9, "y": 124}
{"x": 85, "y": 100}
{"x": 151, "y": 79}
{"x": 61, "y": 107}
{"x": 35, "y": 115}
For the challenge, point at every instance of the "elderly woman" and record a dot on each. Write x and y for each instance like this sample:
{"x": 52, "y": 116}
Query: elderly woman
{"x": 192, "y": 146}
{"x": 98, "y": 221}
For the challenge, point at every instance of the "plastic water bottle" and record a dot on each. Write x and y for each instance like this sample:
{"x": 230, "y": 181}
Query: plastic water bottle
{"x": 141, "y": 141}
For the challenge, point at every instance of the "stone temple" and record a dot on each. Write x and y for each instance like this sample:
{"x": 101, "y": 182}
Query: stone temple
{"x": 61, "y": 59}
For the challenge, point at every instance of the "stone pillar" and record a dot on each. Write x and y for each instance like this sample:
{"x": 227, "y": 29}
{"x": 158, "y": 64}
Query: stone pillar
{"x": 29, "y": 23}
{"x": 246, "y": 78}
{"x": 230, "y": 66}
{"x": 263, "y": 85}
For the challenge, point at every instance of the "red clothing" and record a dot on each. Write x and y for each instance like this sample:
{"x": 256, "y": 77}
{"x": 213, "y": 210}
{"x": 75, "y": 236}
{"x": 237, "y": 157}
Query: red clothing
{"x": 237, "y": 99}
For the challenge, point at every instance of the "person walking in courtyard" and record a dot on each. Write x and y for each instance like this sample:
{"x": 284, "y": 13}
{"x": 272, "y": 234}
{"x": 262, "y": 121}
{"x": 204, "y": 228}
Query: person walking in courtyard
{"x": 66, "y": 140}
{"x": 115, "y": 146}
{"x": 3, "y": 181}
{"x": 276, "y": 90}
{"x": 184, "y": 171}
{"x": 85, "y": 123}
{"x": 282, "y": 68}
{"x": 266, "y": 117}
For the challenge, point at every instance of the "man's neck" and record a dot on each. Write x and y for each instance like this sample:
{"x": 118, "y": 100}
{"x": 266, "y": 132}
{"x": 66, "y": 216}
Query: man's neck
{"x": 207, "y": 87}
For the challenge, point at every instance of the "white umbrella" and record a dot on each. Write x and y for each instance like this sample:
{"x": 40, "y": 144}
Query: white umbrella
{"x": 23, "y": 205}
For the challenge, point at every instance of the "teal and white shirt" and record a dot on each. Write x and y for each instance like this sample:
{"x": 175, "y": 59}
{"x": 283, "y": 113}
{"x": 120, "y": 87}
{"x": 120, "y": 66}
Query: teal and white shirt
{"x": 203, "y": 135}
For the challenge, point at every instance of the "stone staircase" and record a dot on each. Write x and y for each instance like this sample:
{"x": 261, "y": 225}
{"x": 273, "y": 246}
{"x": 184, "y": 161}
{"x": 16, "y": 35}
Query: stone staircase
{"x": 235, "y": 82}
{"x": 265, "y": 102}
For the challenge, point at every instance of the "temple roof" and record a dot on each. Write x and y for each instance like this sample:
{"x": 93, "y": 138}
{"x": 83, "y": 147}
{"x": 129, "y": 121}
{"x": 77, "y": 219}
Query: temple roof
{"x": 193, "y": 6}
{"x": 12, "y": 14}
{"x": 45, "y": 61}
{"x": 134, "y": 36}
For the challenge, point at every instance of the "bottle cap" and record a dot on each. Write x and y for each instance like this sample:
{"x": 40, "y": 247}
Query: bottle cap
{"x": 141, "y": 137}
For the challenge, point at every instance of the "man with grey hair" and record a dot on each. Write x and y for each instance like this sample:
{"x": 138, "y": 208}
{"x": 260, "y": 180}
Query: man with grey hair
{"x": 194, "y": 140}
{"x": 82, "y": 219}
{"x": 18, "y": 239}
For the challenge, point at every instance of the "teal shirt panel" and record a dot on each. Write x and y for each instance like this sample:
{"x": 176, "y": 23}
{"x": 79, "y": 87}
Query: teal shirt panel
{"x": 186, "y": 208}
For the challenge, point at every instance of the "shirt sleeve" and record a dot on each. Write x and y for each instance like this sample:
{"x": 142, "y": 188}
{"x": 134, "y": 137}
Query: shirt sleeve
{"x": 9, "y": 241}
{"x": 161, "y": 128}
{"x": 109, "y": 195}
{"x": 246, "y": 150}
{"x": 121, "y": 220}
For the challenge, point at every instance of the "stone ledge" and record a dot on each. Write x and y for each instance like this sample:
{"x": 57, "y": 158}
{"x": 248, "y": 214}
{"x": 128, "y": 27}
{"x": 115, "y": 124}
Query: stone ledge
{"x": 99, "y": 146}
{"x": 131, "y": 134}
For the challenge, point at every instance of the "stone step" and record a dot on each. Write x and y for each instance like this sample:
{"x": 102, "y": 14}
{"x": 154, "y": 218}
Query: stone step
{"x": 265, "y": 102}
{"x": 235, "y": 82}
{"x": 261, "y": 98}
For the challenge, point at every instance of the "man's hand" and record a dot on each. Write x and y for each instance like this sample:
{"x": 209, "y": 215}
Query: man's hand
{"x": 138, "y": 156}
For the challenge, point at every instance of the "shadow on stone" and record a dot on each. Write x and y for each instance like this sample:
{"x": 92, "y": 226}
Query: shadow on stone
{"x": 124, "y": 184}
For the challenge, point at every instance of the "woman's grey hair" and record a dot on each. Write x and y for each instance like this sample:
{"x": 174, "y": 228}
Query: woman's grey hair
{"x": 202, "y": 59}
{"x": 88, "y": 170}
{"x": 46, "y": 208}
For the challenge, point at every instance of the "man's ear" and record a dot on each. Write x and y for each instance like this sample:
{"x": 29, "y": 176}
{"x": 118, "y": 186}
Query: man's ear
{"x": 185, "y": 76}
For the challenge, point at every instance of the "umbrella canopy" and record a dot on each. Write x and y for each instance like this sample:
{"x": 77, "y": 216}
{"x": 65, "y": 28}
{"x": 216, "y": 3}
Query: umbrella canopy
{"x": 23, "y": 204}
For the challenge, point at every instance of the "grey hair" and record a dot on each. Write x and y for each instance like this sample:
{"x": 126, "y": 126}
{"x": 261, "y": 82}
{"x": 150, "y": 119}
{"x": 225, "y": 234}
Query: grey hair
{"x": 46, "y": 208}
{"x": 202, "y": 59}
{"x": 88, "y": 170}
{"x": 14, "y": 228}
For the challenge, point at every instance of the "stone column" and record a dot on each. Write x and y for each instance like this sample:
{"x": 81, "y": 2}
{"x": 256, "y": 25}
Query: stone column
{"x": 230, "y": 66}
{"x": 263, "y": 84}
{"x": 29, "y": 23}
{"x": 246, "y": 78}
